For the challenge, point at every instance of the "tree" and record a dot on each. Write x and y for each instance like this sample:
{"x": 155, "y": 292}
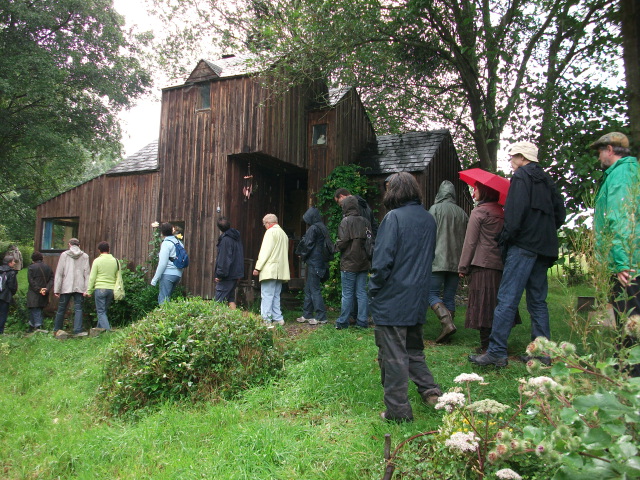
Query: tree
{"x": 477, "y": 67}
{"x": 66, "y": 68}
{"x": 630, "y": 17}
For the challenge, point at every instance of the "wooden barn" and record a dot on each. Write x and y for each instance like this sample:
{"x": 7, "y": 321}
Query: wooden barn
{"x": 228, "y": 146}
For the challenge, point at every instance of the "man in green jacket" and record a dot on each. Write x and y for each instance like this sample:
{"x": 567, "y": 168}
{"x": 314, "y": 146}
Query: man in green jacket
{"x": 617, "y": 224}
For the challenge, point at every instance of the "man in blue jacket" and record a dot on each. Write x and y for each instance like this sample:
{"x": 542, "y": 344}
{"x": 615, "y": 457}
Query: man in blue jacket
{"x": 229, "y": 263}
{"x": 533, "y": 213}
{"x": 398, "y": 291}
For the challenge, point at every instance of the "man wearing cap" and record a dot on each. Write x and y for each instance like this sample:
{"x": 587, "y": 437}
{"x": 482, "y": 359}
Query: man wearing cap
{"x": 616, "y": 225}
{"x": 533, "y": 213}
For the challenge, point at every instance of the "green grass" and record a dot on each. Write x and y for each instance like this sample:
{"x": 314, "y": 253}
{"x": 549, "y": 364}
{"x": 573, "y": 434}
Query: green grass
{"x": 319, "y": 420}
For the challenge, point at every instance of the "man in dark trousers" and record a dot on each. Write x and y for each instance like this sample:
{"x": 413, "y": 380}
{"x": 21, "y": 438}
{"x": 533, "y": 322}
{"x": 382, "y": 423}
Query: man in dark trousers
{"x": 533, "y": 213}
{"x": 229, "y": 263}
{"x": 8, "y": 288}
{"x": 398, "y": 292}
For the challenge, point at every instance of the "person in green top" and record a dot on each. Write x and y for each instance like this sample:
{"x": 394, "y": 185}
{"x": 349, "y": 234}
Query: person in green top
{"x": 617, "y": 225}
{"x": 102, "y": 281}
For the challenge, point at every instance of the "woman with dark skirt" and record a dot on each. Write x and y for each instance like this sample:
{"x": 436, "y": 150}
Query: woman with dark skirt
{"x": 481, "y": 260}
{"x": 40, "y": 277}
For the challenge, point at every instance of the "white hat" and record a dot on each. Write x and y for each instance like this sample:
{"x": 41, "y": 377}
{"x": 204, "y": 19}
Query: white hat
{"x": 527, "y": 149}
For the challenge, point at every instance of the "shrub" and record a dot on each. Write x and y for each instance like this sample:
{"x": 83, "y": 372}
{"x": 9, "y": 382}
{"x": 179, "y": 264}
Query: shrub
{"x": 190, "y": 348}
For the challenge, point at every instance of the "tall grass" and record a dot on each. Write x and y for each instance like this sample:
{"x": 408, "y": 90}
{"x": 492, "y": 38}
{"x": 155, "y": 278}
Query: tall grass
{"x": 319, "y": 420}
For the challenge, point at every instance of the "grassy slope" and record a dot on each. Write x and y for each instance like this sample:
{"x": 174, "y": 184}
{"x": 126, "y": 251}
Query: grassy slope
{"x": 319, "y": 421}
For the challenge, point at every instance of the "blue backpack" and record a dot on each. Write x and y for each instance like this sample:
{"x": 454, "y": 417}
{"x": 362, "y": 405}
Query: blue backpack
{"x": 181, "y": 260}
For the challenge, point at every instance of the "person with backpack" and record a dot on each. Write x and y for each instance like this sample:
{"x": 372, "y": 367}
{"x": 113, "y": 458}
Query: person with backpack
{"x": 315, "y": 253}
{"x": 171, "y": 262}
{"x": 8, "y": 288}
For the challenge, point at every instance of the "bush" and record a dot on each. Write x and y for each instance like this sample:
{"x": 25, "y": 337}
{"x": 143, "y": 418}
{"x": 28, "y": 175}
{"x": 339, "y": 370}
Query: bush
{"x": 189, "y": 348}
{"x": 140, "y": 299}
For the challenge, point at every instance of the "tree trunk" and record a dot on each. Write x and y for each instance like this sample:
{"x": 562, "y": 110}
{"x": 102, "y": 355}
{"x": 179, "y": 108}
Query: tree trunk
{"x": 630, "y": 15}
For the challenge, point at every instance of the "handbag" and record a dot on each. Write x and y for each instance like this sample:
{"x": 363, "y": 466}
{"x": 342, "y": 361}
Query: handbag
{"x": 118, "y": 290}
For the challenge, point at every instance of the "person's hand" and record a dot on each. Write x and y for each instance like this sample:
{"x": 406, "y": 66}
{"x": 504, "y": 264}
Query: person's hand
{"x": 624, "y": 277}
{"x": 57, "y": 295}
{"x": 216, "y": 280}
{"x": 461, "y": 275}
{"x": 43, "y": 291}
{"x": 85, "y": 294}
{"x": 256, "y": 273}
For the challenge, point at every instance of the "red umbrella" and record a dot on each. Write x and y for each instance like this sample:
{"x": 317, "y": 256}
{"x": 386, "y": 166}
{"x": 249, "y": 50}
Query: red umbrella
{"x": 491, "y": 180}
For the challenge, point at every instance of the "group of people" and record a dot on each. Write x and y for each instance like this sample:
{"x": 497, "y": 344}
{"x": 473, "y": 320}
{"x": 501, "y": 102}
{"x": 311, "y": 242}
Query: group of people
{"x": 74, "y": 279}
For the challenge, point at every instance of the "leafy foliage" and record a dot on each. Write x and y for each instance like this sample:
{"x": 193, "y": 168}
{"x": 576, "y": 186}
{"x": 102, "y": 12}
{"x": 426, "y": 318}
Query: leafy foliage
{"x": 351, "y": 178}
{"x": 190, "y": 348}
{"x": 66, "y": 68}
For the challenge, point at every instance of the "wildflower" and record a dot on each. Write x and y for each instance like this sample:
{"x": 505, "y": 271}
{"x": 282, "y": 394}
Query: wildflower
{"x": 449, "y": 400}
{"x": 542, "y": 385}
{"x": 468, "y": 377}
{"x": 465, "y": 442}
{"x": 632, "y": 327}
{"x": 155, "y": 225}
{"x": 488, "y": 406}
{"x": 508, "y": 474}
{"x": 568, "y": 348}
{"x": 504, "y": 435}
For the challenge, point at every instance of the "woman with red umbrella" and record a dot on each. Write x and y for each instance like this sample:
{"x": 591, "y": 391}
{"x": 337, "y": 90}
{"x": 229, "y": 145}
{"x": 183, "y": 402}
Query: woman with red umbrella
{"x": 481, "y": 260}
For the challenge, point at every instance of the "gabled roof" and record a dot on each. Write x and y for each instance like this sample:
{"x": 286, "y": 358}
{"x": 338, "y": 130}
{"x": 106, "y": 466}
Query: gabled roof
{"x": 144, "y": 160}
{"x": 231, "y": 66}
{"x": 337, "y": 94}
{"x": 407, "y": 152}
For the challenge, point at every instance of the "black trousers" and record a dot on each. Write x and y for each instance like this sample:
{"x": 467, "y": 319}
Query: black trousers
{"x": 401, "y": 358}
{"x": 626, "y": 302}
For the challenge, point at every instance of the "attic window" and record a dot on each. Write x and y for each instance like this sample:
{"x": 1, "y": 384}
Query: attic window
{"x": 56, "y": 233}
{"x": 319, "y": 134}
{"x": 205, "y": 97}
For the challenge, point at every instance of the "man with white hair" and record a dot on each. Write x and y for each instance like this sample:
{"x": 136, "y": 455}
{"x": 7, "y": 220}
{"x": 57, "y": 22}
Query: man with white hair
{"x": 533, "y": 213}
{"x": 272, "y": 269}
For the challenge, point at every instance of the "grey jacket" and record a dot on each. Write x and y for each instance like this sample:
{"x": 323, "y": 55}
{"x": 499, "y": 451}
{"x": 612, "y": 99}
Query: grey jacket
{"x": 451, "y": 222}
{"x": 352, "y": 234}
{"x": 72, "y": 272}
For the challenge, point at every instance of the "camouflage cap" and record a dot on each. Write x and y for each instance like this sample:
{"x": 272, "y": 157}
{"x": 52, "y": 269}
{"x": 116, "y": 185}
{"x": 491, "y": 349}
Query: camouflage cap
{"x": 615, "y": 139}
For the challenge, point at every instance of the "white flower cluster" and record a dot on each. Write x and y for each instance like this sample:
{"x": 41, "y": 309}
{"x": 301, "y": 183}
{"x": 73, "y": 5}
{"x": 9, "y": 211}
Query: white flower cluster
{"x": 508, "y": 474}
{"x": 465, "y": 442}
{"x": 468, "y": 377}
{"x": 542, "y": 385}
{"x": 488, "y": 406}
{"x": 449, "y": 400}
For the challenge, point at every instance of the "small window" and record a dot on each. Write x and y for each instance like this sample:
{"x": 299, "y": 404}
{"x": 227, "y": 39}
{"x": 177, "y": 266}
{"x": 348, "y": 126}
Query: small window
{"x": 205, "y": 97}
{"x": 56, "y": 233}
{"x": 319, "y": 134}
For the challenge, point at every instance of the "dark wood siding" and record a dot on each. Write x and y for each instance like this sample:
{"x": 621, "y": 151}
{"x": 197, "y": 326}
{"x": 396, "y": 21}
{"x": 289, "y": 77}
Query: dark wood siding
{"x": 118, "y": 209}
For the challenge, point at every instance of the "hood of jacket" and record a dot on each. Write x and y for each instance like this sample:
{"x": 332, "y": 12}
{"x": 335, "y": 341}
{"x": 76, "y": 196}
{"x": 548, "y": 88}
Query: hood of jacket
{"x": 74, "y": 252}
{"x": 233, "y": 234}
{"x": 446, "y": 192}
{"x": 535, "y": 171}
{"x": 312, "y": 216}
{"x": 350, "y": 206}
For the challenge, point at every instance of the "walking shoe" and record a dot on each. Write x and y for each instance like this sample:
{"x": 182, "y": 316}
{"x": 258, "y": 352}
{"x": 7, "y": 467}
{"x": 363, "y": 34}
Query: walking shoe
{"x": 302, "y": 319}
{"x": 488, "y": 359}
{"x": 81, "y": 334}
{"x": 342, "y": 326}
{"x": 60, "y": 334}
{"x": 313, "y": 321}
{"x": 279, "y": 322}
{"x": 543, "y": 360}
{"x": 94, "y": 332}
{"x": 383, "y": 416}
{"x": 322, "y": 322}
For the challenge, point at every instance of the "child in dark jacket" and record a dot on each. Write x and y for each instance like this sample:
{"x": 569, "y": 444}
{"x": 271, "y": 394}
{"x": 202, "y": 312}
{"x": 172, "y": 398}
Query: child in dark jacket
{"x": 8, "y": 288}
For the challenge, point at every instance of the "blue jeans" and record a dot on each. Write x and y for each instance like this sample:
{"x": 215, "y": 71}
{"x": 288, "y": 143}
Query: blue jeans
{"x": 167, "y": 284}
{"x": 523, "y": 270}
{"x": 354, "y": 284}
{"x": 270, "y": 300}
{"x": 447, "y": 282}
{"x": 313, "y": 301}
{"x": 103, "y": 297}
{"x": 63, "y": 302}
{"x": 35, "y": 317}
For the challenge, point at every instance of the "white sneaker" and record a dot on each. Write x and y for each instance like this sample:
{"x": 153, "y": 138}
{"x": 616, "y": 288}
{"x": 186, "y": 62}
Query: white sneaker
{"x": 313, "y": 321}
{"x": 302, "y": 320}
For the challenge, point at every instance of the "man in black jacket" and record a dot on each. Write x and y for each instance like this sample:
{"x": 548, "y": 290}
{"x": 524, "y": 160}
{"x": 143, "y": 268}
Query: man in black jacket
{"x": 229, "y": 263}
{"x": 533, "y": 213}
{"x": 398, "y": 291}
{"x": 310, "y": 250}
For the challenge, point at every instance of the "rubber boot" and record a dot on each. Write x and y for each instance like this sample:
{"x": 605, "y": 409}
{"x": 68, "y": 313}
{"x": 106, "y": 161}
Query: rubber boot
{"x": 444, "y": 315}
